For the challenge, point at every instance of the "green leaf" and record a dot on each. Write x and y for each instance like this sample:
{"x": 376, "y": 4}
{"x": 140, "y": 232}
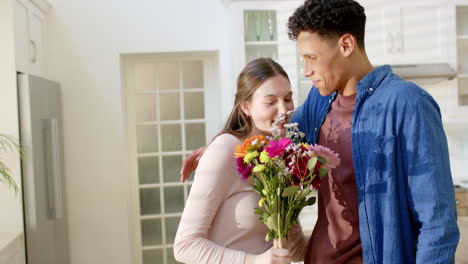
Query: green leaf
{"x": 323, "y": 172}
{"x": 306, "y": 192}
{"x": 269, "y": 235}
{"x": 7, "y": 178}
{"x": 259, "y": 211}
{"x": 9, "y": 143}
{"x": 322, "y": 160}
{"x": 272, "y": 222}
{"x": 258, "y": 186}
{"x": 311, "y": 164}
{"x": 311, "y": 200}
{"x": 309, "y": 180}
{"x": 290, "y": 191}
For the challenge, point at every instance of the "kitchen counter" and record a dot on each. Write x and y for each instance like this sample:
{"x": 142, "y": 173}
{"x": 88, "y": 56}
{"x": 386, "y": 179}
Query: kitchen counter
{"x": 11, "y": 248}
{"x": 6, "y": 238}
{"x": 461, "y": 255}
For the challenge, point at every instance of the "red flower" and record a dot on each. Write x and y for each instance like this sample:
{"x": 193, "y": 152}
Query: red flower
{"x": 243, "y": 169}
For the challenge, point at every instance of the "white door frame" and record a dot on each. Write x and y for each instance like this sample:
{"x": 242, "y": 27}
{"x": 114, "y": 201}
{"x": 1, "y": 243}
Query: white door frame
{"x": 213, "y": 118}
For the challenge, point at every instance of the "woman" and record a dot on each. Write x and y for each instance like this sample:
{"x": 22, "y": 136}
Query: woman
{"x": 218, "y": 224}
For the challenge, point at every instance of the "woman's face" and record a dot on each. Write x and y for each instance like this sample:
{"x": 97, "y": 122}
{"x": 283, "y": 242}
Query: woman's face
{"x": 272, "y": 98}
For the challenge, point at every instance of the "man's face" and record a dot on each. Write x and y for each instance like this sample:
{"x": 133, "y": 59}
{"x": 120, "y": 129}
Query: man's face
{"x": 322, "y": 59}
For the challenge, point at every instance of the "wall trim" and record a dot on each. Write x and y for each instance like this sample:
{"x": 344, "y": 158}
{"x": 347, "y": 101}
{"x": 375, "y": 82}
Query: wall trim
{"x": 43, "y": 5}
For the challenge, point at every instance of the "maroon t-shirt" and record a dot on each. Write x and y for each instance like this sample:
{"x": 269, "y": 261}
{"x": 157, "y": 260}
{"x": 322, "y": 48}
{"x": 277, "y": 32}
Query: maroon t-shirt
{"x": 336, "y": 237}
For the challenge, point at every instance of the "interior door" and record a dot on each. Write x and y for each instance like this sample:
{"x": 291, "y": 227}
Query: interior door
{"x": 172, "y": 109}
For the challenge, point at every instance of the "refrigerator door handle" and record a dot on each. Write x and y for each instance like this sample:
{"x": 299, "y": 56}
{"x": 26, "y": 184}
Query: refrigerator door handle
{"x": 53, "y": 167}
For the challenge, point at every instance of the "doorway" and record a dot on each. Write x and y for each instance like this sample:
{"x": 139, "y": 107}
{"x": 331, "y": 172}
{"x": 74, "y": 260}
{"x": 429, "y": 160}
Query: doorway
{"x": 172, "y": 107}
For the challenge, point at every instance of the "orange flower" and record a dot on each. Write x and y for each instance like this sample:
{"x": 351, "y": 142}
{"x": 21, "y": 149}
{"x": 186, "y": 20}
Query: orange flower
{"x": 250, "y": 144}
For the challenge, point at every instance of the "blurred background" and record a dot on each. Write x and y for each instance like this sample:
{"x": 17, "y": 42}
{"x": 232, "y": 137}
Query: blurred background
{"x": 108, "y": 98}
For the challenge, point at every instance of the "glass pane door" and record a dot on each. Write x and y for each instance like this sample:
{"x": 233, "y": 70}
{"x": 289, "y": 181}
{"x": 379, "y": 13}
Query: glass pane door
{"x": 169, "y": 122}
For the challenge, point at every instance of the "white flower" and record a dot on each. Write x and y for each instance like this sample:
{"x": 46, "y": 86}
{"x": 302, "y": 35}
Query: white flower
{"x": 279, "y": 119}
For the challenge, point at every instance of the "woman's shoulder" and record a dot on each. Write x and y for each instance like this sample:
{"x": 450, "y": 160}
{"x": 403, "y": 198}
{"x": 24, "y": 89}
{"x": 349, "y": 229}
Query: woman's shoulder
{"x": 222, "y": 147}
{"x": 218, "y": 157}
{"x": 225, "y": 141}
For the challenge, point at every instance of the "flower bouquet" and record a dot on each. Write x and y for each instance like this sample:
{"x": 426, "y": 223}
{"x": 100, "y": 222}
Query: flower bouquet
{"x": 284, "y": 172}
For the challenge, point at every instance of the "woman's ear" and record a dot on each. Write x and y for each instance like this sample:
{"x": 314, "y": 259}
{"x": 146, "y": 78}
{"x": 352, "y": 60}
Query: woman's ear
{"x": 245, "y": 108}
{"x": 347, "y": 44}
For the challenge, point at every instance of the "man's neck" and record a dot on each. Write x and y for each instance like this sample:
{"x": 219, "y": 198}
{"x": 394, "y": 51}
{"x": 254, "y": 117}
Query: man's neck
{"x": 361, "y": 69}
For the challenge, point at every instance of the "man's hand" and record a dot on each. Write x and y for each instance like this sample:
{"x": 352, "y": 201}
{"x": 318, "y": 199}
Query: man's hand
{"x": 190, "y": 163}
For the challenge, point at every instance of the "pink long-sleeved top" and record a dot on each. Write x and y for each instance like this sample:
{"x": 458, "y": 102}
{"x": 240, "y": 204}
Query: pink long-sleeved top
{"x": 218, "y": 224}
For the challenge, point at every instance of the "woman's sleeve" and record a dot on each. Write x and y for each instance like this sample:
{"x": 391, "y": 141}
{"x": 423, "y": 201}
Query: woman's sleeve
{"x": 213, "y": 183}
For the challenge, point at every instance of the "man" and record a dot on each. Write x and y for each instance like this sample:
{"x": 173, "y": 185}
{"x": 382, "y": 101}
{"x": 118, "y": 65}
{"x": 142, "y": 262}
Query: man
{"x": 392, "y": 198}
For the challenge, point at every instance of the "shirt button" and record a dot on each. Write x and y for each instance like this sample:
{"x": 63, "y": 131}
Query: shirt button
{"x": 371, "y": 89}
{"x": 329, "y": 101}
{"x": 315, "y": 129}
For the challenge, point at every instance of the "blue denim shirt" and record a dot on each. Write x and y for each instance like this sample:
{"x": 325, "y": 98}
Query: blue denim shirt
{"x": 406, "y": 197}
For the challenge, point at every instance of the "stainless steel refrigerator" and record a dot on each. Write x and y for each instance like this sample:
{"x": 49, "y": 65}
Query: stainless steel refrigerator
{"x": 45, "y": 215}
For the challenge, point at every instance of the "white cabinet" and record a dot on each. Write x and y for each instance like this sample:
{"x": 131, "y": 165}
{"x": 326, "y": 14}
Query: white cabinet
{"x": 259, "y": 30}
{"x": 407, "y": 33}
{"x": 29, "y": 24}
{"x": 11, "y": 248}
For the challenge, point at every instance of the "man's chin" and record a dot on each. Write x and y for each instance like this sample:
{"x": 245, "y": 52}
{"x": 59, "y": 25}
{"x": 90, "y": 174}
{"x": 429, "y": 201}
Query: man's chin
{"x": 325, "y": 92}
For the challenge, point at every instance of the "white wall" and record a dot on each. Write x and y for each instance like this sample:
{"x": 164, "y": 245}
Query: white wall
{"x": 85, "y": 39}
{"x": 11, "y": 219}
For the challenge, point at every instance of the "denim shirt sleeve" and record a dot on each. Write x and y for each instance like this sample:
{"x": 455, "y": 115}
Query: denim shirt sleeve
{"x": 429, "y": 183}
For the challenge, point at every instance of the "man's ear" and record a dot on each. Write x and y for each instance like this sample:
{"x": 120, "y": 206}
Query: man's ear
{"x": 347, "y": 44}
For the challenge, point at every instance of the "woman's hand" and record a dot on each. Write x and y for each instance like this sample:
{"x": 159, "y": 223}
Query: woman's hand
{"x": 271, "y": 256}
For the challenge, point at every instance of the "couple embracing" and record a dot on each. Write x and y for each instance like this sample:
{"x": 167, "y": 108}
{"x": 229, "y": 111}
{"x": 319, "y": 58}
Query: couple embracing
{"x": 392, "y": 198}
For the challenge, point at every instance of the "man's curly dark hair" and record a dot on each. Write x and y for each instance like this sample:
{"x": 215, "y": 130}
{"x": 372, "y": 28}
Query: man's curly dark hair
{"x": 329, "y": 18}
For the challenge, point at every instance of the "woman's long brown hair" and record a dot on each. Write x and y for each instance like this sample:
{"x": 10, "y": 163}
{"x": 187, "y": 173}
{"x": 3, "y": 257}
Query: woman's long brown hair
{"x": 254, "y": 74}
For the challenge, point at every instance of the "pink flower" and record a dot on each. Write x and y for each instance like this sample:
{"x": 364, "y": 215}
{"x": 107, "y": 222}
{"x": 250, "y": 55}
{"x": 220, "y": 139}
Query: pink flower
{"x": 276, "y": 148}
{"x": 243, "y": 170}
{"x": 331, "y": 157}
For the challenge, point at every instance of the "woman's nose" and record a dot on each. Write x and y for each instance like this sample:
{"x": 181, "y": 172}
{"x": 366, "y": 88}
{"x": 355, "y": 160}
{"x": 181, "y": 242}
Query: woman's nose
{"x": 283, "y": 108}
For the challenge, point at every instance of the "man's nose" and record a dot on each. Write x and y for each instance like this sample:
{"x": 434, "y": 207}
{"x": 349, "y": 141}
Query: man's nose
{"x": 308, "y": 71}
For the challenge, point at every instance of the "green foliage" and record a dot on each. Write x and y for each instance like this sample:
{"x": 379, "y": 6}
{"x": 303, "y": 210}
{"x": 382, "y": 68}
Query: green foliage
{"x": 290, "y": 190}
{"x": 322, "y": 172}
{"x": 281, "y": 202}
{"x": 312, "y": 162}
{"x": 8, "y": 143}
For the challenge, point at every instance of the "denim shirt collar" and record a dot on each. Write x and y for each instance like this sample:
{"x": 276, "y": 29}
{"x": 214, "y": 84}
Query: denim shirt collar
{"x": 371, "y": 80}
{"x": 369, "y": 83}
